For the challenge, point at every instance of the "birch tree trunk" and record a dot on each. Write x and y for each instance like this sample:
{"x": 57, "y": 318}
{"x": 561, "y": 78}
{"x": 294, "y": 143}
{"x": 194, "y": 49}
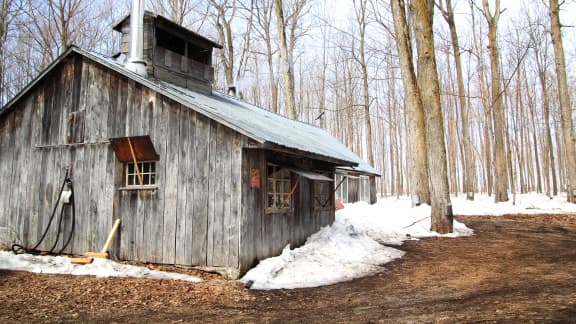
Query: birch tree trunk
{"x": 500, "y": 170}
{"x": 442, "y": 218}
{"x": 419, "y": 184}
{"x": 285, "y": 62}
{"x": 564, "y": 97}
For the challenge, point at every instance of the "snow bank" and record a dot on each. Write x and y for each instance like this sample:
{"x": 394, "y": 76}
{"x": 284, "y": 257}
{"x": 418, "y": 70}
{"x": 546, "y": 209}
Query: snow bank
{"x": 356, "y": 245}
{"x": 99, "y": 268}
{"x": 359, "y": 242}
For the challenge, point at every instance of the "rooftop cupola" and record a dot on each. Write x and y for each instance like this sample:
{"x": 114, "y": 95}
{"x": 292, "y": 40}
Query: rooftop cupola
{"x": 172, "y": 53}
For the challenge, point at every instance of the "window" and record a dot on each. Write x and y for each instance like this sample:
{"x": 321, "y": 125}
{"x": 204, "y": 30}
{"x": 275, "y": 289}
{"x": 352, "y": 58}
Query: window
{"x": 140, "y": 174}
{"x": 170, "y": 42}
{"x": 364, "y": 188}
{"x": 279, "y": 195}
{"x": 139, "y": 159}
{"x": 342, "y": 188}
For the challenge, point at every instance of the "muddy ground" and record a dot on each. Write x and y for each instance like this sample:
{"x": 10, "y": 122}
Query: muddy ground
{"x": 514, "y": 269}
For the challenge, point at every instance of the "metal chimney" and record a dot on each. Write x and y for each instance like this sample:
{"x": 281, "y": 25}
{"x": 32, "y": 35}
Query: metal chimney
{"x": 136, "y": 62}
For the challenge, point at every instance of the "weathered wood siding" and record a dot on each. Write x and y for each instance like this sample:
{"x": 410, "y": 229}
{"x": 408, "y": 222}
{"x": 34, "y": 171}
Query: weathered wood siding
{"x": 265, "y": 234}
{"x": 192, "y": 218}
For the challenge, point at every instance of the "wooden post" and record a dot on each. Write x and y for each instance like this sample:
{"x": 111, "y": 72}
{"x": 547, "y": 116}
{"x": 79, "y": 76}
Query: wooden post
{"x": 135, "y": 162}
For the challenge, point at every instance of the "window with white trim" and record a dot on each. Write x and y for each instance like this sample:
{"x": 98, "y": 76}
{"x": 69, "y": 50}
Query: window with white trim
{"x": 364, "y": 188}
{"x": 342, "y": 187}
{"x": 141, "y": 174}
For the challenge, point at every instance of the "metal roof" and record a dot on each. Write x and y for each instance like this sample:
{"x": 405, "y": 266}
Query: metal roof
{"x": 256, "y": 123}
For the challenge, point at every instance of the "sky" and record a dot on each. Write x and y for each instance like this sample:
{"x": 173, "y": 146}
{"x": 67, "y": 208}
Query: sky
{"x": 359, "y": 243}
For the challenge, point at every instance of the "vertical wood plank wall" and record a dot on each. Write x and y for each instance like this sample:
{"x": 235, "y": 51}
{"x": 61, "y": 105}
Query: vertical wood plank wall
{"x": 192, "y": 218}
{"x": 266, "y": 234}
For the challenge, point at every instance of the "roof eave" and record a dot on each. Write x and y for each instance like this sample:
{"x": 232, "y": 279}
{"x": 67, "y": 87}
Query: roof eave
{"x": 315, "y": 156}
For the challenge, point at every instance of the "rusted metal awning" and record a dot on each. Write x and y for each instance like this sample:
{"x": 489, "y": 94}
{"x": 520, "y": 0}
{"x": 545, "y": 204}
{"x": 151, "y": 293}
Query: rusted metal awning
{"x": 138, "y": 148}
{"x": 310, "y": 175}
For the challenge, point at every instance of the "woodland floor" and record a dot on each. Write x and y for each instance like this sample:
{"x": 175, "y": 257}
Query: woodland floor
{"x": 515, "y": 268}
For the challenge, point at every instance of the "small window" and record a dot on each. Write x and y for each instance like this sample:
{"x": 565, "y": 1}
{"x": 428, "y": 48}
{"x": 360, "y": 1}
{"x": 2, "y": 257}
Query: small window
{"x": 341, "y": 188}
{"x": 141, "y": 174}
{"x": 279, "y": 195}
{"x": 364, "y": 188}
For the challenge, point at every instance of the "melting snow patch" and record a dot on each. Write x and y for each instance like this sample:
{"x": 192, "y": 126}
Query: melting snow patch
{"x": 99, "y": 267}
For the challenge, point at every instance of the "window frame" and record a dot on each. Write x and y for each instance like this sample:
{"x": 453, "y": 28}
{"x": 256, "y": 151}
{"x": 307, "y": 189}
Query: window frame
{"x": 287, "y": 179}
{"x": 152, "y": 175}
{"x": 342, "y": 191}
{"x": 364, "y": 188}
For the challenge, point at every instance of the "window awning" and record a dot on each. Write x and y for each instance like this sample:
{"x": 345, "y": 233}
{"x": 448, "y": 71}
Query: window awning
{"x": 310, "y": 175}
{"x": 141, "y": 146}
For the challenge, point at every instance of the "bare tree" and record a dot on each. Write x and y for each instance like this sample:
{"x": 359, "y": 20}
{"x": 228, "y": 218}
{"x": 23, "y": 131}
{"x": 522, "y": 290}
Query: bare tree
{"x": 286, "y": 61}
{"x": 469, "y": 161}
{"x": 564, "y": 98}
{"x": 176, "y": 10}
{"x": 263, "y": 28}
{"x": 9, "y": 10}
{"x": 442, "y": 218}
{"x": 419, "y": 185}
{"x": 222, "y": 19}
{"x": 501, "y": 172}
{"x": 362, "y": 21}
{"x": 540, "y": 48}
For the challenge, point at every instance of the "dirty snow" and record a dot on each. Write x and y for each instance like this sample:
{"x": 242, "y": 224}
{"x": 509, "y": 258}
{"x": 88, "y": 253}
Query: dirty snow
{"x": 99, "y": 267}
{"x": 362, "y": 239}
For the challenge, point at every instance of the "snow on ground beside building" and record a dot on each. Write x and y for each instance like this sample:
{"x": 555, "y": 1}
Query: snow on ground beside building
{"x": 360, "y": 241}
{"x": 99, "y": 267}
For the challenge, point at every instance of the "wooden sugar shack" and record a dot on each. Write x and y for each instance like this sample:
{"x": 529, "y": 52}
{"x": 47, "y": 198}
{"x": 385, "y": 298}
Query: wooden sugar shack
{"x": 198, "y": 178}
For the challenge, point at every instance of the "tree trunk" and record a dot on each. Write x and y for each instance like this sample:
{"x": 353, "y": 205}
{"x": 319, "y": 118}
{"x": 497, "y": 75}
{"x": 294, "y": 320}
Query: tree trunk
{"x": 419, "y": 184}
{"x": 361, "y": 19}
{"x": 564, "y": 96}
{"x": 469, "y": 161}
{"x": 286, "y": 62}
{"x": 442, "y": 218}
{"x": 501, "y": 173}
{"x": 547, "y": 134}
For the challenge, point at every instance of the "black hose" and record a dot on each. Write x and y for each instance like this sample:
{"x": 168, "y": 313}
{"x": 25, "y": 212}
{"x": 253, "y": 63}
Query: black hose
{"x": 17, "y": 248}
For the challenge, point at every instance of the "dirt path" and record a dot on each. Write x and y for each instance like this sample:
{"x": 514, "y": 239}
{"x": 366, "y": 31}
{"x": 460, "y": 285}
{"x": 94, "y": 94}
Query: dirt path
{"x": 515, "y": 268}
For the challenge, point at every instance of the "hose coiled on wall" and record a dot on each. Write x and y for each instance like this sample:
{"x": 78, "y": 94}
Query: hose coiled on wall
{"x": 17, "y": 248}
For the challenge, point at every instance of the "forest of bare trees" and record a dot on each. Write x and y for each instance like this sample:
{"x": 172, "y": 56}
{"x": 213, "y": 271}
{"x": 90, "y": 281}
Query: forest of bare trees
{"x": 497, "y": 118}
